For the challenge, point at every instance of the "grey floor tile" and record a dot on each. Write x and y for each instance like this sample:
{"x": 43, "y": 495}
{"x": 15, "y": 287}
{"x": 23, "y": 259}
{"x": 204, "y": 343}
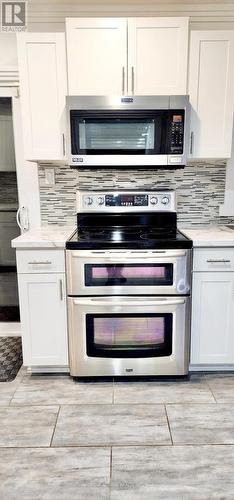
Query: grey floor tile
{"x": 201, "y": 424}
{"x": 62, "y": 389}
{"x": 111, "y": 425}
{"x": 55, "y": 474}
{"x": 27, "y": 426}
{"x": 7, "y": 389}
{"x": 222, "y": 386}
{"x": 173, "y": 391}
{"x": 170, "y": 473}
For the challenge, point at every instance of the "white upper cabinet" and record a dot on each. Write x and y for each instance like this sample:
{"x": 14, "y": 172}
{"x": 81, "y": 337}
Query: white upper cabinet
{"x": 138, "y": 56}
{"x": 43, "y": 87}
{"x": 211, "y": 83}
{"x": 97, "y": 56}
{"x": 157, "y": 55}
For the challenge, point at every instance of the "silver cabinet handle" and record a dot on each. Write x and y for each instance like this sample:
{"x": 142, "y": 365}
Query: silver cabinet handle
{"x": 40, "y": 262}
{"x": 64, "y": 148}
{"x": 22, "y": 218}
{"x": 133, "y": 78}
{"x": 191, "y": 143}
{"x": 123, "y": 80}
{"x": 218, "y": 261}
{"x": 61, "y": 289}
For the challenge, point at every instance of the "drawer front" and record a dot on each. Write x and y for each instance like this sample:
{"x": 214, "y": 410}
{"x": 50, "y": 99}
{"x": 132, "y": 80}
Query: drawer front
{"x": 40, "y": 261}
{"x": 213, "y": 259}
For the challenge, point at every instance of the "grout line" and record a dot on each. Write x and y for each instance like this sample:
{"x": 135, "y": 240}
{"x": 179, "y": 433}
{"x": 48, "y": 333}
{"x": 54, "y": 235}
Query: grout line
{"x": 122, "y": 445}
{"x": 210, "y": 390}
{"x": 52, "y": 437}
{"x": 168, "y": 423}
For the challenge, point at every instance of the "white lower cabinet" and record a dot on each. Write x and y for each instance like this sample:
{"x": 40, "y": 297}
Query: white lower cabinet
{"x": 43, "y": 319}
{"x": 212, "y": 332}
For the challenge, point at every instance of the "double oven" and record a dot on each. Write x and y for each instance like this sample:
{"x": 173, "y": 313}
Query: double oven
{"x": 128, "y": 309}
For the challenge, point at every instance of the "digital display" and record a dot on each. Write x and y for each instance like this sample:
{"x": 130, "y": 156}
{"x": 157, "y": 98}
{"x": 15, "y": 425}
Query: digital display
{"x": 177, "y": 118}
{"x": 124, "y": 200}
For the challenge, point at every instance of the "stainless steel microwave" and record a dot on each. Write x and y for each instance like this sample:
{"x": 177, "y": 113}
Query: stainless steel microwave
{"x": 147, "y": 132}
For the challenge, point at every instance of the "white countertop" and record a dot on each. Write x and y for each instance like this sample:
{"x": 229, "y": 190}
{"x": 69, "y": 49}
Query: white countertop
{"x": 210, "y": 236}
{"x": 56, "y": 236}
{"x": 44, "y": 237}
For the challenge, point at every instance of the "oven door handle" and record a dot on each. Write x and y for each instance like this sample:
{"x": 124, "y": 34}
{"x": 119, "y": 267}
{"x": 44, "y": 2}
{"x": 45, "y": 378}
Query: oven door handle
{"x": 127, "y": 301}
{"x": 133, "y": 255}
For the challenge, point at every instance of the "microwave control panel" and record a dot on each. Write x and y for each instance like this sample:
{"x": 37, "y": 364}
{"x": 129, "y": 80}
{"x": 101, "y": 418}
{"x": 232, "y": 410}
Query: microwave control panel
{"x": 176, "y": 132}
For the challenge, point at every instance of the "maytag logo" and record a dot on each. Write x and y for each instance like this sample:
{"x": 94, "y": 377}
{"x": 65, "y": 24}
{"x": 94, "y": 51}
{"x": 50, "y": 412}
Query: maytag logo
{"x": 129, "y": 370}
{"x": 127, "y": 99}
{"x": 77, "y": 160}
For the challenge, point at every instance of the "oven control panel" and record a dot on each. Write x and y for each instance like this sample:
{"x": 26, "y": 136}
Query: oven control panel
{"x": 126, "y": 201}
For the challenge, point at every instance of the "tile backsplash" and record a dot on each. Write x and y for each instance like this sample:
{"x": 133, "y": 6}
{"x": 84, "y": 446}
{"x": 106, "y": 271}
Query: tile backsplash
{"x": 200, "y": 190}
{"x": 8, "y": 188}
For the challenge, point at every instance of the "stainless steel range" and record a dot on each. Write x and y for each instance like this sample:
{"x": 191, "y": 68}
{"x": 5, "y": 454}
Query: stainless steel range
{"x": 128, "y": 285}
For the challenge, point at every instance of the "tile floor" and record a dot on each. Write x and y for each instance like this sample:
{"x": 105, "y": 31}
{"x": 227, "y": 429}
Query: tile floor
{"x": 151, "y": 440}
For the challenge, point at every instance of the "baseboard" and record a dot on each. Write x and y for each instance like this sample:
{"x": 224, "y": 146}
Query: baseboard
{"x": 211, "y": 368}
{"x": 10, "y": 329}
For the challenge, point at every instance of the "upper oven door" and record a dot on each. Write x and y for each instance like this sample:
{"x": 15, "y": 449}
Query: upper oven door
{"x": 91, "y": 272}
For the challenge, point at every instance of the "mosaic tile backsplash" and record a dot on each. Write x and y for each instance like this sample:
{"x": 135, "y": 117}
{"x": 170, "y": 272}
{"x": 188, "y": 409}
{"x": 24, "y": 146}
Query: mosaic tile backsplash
{"x": 200, "y": 190}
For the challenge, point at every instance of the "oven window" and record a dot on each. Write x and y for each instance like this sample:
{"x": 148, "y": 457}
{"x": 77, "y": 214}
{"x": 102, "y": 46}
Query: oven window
{"x": 129, "y": 335}
{"x": 118, "y": 132}
{"x": 128, "y": 274}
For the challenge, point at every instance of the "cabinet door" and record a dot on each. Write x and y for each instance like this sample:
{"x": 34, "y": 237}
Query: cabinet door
{"x": 211, "y": 81}
{"x": 212, "y": 340}
{"x": 43, "y": 319}
{"x": 157, "y": 50}
{"x": 43, "y": 87}
{"x": 97, "y": 56}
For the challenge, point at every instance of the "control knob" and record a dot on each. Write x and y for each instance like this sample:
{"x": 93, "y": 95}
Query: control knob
{"x": 153, "y": 200}
{"x": 88, "y": 200}
{"x": 100, "y": 200}
{"x": 165, "y": 200}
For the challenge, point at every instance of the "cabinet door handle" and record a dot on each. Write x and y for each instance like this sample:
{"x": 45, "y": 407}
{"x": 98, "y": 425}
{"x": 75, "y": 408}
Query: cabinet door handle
{"x": 191, "y": 143}
{"x": 218, "y": 261}
{"x": 61, "y": 289}
{"x": 133, "y": 78}
{"x": 123, "y": 80}
{"x": 64, "y": 148}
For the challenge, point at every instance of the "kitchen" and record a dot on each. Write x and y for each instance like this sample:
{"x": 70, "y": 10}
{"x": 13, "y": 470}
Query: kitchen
{"x": 125, "y": 260}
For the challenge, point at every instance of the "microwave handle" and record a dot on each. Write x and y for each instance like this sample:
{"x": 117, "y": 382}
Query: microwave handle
{"x": 191, "y": 143}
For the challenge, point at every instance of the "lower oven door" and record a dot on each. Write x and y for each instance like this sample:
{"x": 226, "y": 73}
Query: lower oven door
{"x": 114, "y": 336}
{"x": 122, "y": 272}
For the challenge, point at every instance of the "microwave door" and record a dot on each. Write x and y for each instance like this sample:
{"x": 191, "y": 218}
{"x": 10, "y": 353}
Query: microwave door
{"x": 122, "y": 135}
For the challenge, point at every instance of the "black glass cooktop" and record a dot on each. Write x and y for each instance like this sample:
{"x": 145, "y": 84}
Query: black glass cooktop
{"x": 122, "y": 238}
